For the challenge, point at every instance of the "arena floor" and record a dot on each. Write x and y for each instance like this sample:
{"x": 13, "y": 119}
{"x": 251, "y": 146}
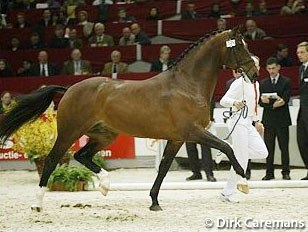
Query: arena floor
{"x": 183, "y": 210}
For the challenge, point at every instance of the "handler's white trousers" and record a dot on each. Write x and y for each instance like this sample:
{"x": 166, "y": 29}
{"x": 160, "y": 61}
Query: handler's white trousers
{"x": 247, "y": 144}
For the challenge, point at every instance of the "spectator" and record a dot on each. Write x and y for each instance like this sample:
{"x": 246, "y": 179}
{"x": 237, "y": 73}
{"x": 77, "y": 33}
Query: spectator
{"x": 36, "y": 42}
{"x": 59, "y": 40}
{"x": 74, "y": 41}
{"x": 5, "y": 70}
{"x": 99, "y": 2}
{"x": 262, "y": 9}
{"x": 287, "y": 8}
{"x": 21, "y": 21}
{"x": 23, "y": 4}
{"x": 153, "y": 14}
{"x": 253, "y": 32}
{"x": 25, "y": 70}
{"x": 43, "y": 67}
{"x": 190, "y": 12}
{"x": 46, "y": 19}
{"x": 302, "y": 118}
{"x": 83, "y": 21}
{"x": 6, "y": 102}
{"x": 70, "y": 6}
{"x": 299, "y": 7}
{"x": 76, "y": 3}
{"x": 100, "y": 38}
{"x": 76, "y": 66}
{"x": 221, "y": 24}
{"x": 276, "y": 117}
{"x": 3, "y": 23}
{"x": 123, "y": 17}
{"x": 249, "y": 10}
{"x": 140, "y": 36}
{"x": 215, "y": 11}
{"x": 115, "y": 66}
{"x": 53, "y": 4}
{"x": 127, "y": 37}
{"x": 15, "y": 44}
{"x": 164, "y": 62}
{"x": 59, "y": 19}
{"x": 207, "y": 160}
{"x": 282, "y": 56}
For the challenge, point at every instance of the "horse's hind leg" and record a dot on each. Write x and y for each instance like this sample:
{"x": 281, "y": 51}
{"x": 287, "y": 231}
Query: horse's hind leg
{"x": 170, "y": 152}
{"x": 85, "y": 155}
{"x": 202, "y": 136}
{"x": 62, "y": 144}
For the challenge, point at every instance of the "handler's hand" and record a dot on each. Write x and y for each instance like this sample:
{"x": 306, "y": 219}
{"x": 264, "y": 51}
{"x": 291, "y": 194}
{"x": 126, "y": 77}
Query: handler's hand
{"x": 260, "y": 128}
{"x": 238, "y": 104}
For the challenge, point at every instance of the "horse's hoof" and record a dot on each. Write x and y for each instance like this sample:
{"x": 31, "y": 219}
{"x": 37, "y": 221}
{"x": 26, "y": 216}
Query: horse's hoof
{"x": 36, "y": 209}
{"x": 155, "y": 208}
{"x": 103, "y": 189}
{"x": 243, "y": 187}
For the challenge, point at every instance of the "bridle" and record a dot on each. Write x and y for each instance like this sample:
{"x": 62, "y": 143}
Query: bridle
{"x": 231, "y": 45}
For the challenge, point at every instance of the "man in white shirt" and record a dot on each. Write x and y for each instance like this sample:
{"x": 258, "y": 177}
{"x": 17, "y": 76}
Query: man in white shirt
{"x": 246, "y": 140}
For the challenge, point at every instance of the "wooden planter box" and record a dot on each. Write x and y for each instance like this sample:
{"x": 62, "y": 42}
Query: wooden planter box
{"x": 60, "y": 186}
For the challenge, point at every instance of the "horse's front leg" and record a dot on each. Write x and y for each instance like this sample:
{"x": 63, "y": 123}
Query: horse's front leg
{"x": 203, "y": 136}
{"x": 170, "y": 152}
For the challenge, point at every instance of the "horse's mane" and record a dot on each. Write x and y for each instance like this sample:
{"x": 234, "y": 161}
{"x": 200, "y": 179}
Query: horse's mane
{"x": 196, "y": 44}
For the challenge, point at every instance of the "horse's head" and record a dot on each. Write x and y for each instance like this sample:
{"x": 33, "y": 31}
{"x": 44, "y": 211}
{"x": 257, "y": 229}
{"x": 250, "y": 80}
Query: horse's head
{"x": 237, "y": 55}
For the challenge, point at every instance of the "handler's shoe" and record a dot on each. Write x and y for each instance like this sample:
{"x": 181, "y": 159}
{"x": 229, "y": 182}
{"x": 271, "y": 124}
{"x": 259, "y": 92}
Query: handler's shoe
{"x": 243, "y": 187}
{"x": 233, "y": 198}
{"x": 104, "y": 182}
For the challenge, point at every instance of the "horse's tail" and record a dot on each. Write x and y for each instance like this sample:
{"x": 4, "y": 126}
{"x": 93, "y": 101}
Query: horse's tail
{"x": 28, "y": 108}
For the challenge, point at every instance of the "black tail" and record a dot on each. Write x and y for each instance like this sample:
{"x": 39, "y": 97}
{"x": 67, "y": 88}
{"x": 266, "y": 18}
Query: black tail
{"x": 29, "y": 107}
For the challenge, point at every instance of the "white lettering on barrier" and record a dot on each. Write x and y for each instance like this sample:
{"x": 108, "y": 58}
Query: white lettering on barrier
{"x": 105, "y": 153}
{"x": 10, "y": 156}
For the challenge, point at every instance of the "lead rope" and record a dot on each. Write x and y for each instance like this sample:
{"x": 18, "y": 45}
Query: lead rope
{"x": 243, "y": 113}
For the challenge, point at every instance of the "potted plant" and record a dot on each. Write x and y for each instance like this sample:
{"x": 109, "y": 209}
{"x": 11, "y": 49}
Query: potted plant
{"x": 70, "y": 178}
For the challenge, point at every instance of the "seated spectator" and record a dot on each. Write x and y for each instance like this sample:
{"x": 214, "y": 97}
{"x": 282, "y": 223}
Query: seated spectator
{"x": 23, "y": 4}
{"x": 43, "y": 67}
{"x": 74, "y": 41}
{"x": 140, "y": 36}
{"x": 293, "y": 7}
{"x": 46, "y": 19}
{"x": 70, "y": 6}
{"x": 221, "y": 24}
{"x": 127, "y": 37}
{"x": 252, "y": 31}
{"x": 21, "y": 21}
{"x": 262, "y": 9}
{"x": 124, "y": 18}
{"x": 36, "y": 42}
{"x": 5, "y": 70}
{"x": 76, "y": 66}
{"x": 3, "y": 23}
{"x": 6, "y": 102}
{"x": 83, "y": 21}
{"x": 15, "y": 44}
{"x": 282, "y": 56}
{"x": 99, "y": 2}
{"x": 53, "y": 4}
{"x": 249, "y": 10}
{"x": 100, "y": 38}
{"x": 164, "y": 62}
{"x": 189, "y": 12}
{"x": 215, "y": 11}
{"x": 115, "y": 66}
{"x": 59, "y": 40}
{"x": 25, "y": 70}
{"x": 59, "y": 18}
{"x": 153, "y": 14}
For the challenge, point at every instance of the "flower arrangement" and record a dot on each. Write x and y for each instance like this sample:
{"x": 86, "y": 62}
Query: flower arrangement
{"x": 35, "y": 139}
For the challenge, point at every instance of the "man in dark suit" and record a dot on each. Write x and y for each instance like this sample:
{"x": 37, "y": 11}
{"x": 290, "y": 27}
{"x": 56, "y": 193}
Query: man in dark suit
{"x": 206, "y": 153}
{"x": 140, "y": 36}
{"x": 276, "y": 117}
{"x": 76, "y": 66}
{"x": 253, "y": 32}
{"x": 190, "y": 12}
{"x": 164, "y": 62}
{"x": 302, "y": 119}
{"x": 43, "y": 67}
{"x": 59, "y": 40}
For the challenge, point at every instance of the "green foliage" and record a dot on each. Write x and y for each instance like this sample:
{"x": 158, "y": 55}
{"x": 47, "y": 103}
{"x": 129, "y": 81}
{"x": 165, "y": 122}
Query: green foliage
{"x": 99, "y": 160}
{"x": 70, "y": 175}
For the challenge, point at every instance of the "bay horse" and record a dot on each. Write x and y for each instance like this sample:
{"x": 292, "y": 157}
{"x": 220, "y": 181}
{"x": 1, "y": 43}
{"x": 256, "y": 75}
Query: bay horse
{"x": 173, "y": 105}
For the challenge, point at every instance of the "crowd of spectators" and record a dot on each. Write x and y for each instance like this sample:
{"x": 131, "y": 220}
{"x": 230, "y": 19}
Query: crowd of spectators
{"x": 64, "y": 16}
